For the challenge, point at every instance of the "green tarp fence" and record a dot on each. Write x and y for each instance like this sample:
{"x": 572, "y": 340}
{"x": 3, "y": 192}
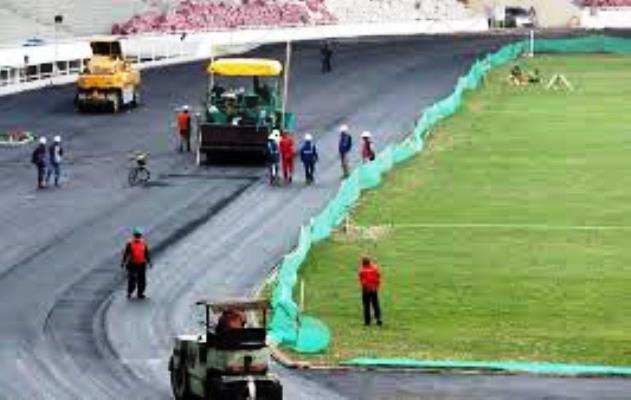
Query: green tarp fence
{"x": 306, "y": 334}
{"x": 532, "y": 368}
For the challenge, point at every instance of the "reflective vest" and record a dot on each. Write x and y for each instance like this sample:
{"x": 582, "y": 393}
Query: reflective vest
{"x": 370, "y": 277}
{"x": 184, "y": 121}
{"x": 137, "y": 251}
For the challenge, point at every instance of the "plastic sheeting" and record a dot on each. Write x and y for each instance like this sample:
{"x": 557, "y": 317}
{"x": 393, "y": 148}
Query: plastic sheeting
{"x": 533, "y": 368}
{"x": 288, "y": 326}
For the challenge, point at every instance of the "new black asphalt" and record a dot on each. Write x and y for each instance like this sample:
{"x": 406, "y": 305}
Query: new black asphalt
{"x": 67, "y": 331}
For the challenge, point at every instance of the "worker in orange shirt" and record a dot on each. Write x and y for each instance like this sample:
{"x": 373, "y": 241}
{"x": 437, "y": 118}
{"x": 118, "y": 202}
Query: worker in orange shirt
{"x": 370, "y": 280}
{"x": 287, "y": 156}
{"x": 184, "y": 127}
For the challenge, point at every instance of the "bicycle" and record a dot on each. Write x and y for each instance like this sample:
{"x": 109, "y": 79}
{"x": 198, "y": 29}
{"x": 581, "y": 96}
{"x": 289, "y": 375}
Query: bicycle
{"x": 138, "y": 172}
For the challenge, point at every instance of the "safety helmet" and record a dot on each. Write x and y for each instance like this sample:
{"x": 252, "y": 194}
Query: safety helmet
{"x": 308, "y": 137}
{"x": 344, "y": 128}
{"x": 42, "y": 140}
{"x": 271, "y": 136}
{"x": 185, "y": 108}
{"x": 57, "y": 139}
{"x": 137, "y": 231}
{"x": 276, "y": 133}
{"x": 366, "y": 134}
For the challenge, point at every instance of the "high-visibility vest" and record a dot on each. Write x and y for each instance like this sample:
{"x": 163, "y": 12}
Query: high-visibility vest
{"x": 184, "y": 121}
{"x": 137, "y": 251}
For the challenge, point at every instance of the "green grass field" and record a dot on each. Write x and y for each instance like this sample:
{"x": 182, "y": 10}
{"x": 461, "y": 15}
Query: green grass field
{"x": 508, "y": 238}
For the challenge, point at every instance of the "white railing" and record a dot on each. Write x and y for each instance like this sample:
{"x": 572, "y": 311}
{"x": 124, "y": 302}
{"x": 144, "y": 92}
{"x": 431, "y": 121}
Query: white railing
{"x": 61, "y": 63}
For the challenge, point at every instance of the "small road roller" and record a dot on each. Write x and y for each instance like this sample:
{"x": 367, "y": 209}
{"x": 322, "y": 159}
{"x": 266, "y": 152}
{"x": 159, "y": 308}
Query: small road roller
{"x": 230, "y": 361}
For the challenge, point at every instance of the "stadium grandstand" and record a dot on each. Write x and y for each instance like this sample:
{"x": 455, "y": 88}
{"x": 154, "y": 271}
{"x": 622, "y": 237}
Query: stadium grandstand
{"x": 24, "y": 19}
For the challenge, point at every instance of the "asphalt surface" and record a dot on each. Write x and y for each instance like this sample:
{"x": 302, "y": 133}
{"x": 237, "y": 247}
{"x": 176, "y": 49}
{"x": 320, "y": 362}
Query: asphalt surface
{"x": 68, "y": 332}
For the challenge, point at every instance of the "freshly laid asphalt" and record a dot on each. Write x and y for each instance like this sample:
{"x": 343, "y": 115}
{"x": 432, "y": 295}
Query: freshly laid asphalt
{"x": 68, "y": 332}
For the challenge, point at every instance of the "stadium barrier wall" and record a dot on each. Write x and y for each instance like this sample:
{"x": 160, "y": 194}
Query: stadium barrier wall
{"x": 306, "y": 334}
{"x": 28, "y": 68}
{"x": 613, "y": 17}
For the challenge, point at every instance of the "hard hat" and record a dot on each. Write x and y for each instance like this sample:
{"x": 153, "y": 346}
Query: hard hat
{"x": 42, "y": 140}
{"x": 57, "y": 139}
{"x": 308, "y": 137}
{"x": 136, "y": 231}
{"x": 185, "y": 108}
{"x": 271, "y": 136}
{"x": 344, "y": 128}
{"x": 366, "y": 134}
{"x": 276, "y": 133}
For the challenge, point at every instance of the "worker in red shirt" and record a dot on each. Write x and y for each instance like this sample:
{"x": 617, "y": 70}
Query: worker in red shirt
{"x": 370, "y": 279}
{"x": 184, "y": 127}
{"x": 136, "y": 257}
{"x": 287, "y": 156}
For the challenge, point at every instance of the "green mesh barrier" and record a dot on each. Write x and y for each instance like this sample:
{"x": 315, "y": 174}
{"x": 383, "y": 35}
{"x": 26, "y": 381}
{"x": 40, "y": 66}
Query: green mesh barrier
{"x": 309, "y": 335}
{"x": 533, "y": 368}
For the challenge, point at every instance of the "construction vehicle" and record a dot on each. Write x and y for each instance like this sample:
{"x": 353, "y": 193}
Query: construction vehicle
{"x": 230, "y": 360}
{"x": 109, "y": 81}
{"x": 243, "y": 106}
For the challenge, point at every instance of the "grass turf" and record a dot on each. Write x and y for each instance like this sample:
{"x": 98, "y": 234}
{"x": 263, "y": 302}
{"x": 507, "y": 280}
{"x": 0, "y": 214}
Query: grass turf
{"x": 480, "y": 239}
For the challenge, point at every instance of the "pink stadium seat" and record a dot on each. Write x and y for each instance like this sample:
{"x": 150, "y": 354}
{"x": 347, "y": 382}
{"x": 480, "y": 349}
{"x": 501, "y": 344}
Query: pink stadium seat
{"x": 192, "y": 15}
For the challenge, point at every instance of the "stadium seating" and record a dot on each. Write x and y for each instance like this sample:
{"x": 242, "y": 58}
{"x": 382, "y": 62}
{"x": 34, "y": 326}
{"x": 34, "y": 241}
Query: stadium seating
{"x": 212, "y": 15}
{"x": 216, "y": 15}
{"x": 23, "y": 19}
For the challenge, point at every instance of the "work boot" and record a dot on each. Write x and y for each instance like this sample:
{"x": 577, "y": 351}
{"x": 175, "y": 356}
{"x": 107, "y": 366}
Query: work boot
{"x": 141, "y": 296}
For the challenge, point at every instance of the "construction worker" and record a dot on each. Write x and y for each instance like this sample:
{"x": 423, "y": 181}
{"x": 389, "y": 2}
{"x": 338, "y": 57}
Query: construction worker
{"x": 368, "y": 151}
{"x": 370, "y": 280}
{"x": 39, "y": 159}
{"x": 184, "y": 126}
{"x": 273, "y": 155}
{"x": 344, "y": 146}
{"x": 55, "y": 157}
{"x": 286, "y": 146}
{"x": 136, "y": 257}
{"x": 309, "y": 157}
{"x": 327, "y": 54}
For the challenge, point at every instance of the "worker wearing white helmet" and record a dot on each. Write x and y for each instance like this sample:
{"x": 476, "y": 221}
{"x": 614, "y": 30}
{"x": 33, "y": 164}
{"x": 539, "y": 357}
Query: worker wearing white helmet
{"x": 184, "y": 129}
{"x": 309, "y": 157}
{"x": 55, "y": 158}
{"x": 273, "y": 158}
{"x": 38, "y": 158}
{"x": 368, "y": 149}
{"x": 344, "y": 146}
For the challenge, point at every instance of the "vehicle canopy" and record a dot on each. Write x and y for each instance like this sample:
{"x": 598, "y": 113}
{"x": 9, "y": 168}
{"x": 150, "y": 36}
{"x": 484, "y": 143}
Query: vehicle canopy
{"x": 244, "y": 67}
{"x": 106, "y": 46}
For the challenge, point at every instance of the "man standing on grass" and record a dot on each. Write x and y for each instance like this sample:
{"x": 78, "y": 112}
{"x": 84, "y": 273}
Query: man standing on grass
{"x": 370, "y": 279}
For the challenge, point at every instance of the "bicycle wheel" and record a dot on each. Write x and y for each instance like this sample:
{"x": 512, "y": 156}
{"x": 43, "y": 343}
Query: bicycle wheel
{"x": 132, "y": 178}
{"x": 143, "y": 175}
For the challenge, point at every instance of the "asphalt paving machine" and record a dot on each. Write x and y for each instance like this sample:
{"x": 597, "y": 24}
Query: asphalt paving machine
{"x": 243, "y": 106}
{"x": 109, "y": 81}
{"x": 230, "y": 360}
